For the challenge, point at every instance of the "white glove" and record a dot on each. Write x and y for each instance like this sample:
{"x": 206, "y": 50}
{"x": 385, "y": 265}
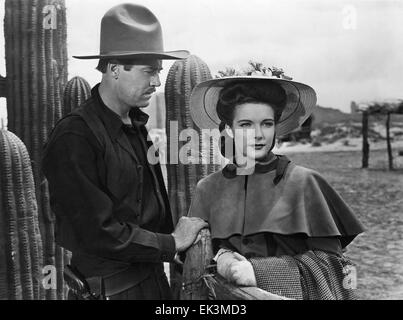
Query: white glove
{"x": 242, "y": 273}
{"x": 235, "y": 268}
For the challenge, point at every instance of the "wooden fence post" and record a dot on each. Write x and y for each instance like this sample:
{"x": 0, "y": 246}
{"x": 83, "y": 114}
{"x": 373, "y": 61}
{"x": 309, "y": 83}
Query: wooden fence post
{"x": 198, "y": 258}
{"x": 365, "y": 144}
{"x": 390, "y": 155}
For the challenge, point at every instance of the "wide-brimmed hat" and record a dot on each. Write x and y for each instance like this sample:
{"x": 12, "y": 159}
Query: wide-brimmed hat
{"x": 300, "y": 103}
{"x": 129, "y": 31}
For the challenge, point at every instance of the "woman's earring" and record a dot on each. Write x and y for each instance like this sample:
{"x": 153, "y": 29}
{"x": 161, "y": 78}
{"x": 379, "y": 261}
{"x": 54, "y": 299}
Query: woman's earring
{"x": 227, "y": 144}
{"x": 228, "y": 131}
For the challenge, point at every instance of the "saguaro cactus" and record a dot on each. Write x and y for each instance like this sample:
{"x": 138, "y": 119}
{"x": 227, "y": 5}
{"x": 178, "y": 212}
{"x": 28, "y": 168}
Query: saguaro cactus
{"x": 76, "y": 92}
{"x": 183, "y": 76}
{"x": 36, "y": 63}
{"x": 182, "y": 178}
{"x": 20, "y": 239}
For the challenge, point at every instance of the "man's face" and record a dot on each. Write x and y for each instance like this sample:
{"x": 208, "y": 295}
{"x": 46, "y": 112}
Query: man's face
{"x": 136, "y": 86}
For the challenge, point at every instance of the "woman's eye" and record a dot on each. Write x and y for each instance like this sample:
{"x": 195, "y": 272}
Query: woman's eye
{"x": 245, "y": 125}
{"x": 268, "y": 124}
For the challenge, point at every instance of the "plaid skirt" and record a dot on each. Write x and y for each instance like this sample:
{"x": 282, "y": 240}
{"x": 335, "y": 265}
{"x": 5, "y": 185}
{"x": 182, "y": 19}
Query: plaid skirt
{"x": 314, "y": 275}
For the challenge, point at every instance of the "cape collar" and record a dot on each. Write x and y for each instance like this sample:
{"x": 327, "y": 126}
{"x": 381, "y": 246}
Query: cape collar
{"x": 280, "y": 164}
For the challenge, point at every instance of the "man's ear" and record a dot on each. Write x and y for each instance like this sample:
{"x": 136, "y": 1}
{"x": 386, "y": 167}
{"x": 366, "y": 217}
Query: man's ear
{"x": 114, "y": 70}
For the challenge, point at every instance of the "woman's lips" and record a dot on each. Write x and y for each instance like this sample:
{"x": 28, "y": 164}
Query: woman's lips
{"x": 259, "y": 146}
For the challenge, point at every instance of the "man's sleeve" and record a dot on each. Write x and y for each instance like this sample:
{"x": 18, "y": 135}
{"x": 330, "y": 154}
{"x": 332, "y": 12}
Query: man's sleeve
{"x": 70, "y": 166}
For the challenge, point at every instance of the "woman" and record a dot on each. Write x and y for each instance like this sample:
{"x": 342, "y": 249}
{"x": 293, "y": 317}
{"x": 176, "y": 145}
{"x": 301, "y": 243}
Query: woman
{"x": 274, "y": 224}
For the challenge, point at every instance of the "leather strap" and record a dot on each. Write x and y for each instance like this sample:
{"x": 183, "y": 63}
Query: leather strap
{"x": 116, "y": 283}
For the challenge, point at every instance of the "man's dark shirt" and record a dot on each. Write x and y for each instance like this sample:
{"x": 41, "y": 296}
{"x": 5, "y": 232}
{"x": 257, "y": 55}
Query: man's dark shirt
{"x": 110, "y": 214}
{"x": 150, "y": 203}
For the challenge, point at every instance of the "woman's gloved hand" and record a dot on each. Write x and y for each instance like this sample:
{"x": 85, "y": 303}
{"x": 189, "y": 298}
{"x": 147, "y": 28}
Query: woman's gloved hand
{"x": 235, "y": 268}
{"x": 242, "y": 273}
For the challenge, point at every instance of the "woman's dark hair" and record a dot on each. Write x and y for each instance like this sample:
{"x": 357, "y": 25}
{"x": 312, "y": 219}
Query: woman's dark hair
{"x": 234, "y": 95}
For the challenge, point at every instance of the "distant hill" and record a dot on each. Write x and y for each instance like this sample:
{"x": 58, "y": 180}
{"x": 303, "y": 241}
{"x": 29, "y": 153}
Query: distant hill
{"x": 325, "y": 115}
{"x": 331, "y": 116}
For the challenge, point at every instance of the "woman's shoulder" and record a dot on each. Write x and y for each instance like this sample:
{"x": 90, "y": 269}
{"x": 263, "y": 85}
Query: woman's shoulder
{"x": 300, "y": 173}
{"x": 211, "y": 180}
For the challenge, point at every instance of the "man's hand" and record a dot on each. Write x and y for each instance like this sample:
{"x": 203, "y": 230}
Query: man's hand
{"x": 235, "y": 268}
{"x": 186, "y": 232}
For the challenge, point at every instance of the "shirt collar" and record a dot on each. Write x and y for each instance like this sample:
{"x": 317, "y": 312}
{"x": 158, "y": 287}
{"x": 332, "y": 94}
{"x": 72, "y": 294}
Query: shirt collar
{"x": 139, "y": 117}
{"x": 111, "y": 119}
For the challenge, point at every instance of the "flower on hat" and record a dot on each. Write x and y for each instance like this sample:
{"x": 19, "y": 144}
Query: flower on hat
{"x": 255, "y": 69}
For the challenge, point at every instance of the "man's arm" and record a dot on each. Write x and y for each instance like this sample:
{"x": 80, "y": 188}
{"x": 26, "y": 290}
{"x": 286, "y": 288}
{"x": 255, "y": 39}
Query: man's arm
{"x": 70, "y": 167}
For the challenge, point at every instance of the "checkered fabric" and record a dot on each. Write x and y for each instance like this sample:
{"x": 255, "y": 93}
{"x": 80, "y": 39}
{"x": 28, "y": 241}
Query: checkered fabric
{"x": 278, "y": 275}
{"x": 314, "y": 275}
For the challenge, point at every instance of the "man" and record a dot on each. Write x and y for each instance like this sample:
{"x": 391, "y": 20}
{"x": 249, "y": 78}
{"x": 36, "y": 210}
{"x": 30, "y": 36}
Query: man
{"x": 110, "y": 203}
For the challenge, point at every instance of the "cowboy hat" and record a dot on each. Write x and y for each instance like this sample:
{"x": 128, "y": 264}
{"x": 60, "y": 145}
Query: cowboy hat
{"x": 129, "y": 31}
{"x": 300, "y": 101}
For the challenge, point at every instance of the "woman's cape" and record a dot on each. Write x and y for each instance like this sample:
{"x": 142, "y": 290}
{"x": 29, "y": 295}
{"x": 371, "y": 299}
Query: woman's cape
{"x": 301, "y": 203}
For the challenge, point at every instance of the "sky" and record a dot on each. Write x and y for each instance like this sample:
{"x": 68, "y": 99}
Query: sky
{"x": 345, "y": 50}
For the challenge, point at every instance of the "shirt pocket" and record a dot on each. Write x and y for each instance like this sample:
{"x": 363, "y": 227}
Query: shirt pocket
{"x": 123, "y": 174}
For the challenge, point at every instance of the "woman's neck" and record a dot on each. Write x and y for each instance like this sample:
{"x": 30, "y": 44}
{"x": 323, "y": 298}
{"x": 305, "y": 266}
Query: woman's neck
{"x": 241, "y": 161}
{"x": 266, "y": 160}
{"x": 249, "y": 164}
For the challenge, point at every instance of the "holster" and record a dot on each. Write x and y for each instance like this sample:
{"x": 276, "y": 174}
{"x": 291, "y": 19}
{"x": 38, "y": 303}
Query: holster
{"x": 115, "y": 283}
{"x": 81, "y": 287}
{"x": 103, "y": 287}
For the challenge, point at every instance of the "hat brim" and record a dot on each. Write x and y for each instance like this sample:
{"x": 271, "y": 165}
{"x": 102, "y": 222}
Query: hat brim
{"x": 301, "y": 101}
{"x": 168, "y": 55}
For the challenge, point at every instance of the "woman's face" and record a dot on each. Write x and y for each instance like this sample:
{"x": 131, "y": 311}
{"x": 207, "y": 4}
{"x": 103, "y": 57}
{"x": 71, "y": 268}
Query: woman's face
{"x": 253, "y": 128}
